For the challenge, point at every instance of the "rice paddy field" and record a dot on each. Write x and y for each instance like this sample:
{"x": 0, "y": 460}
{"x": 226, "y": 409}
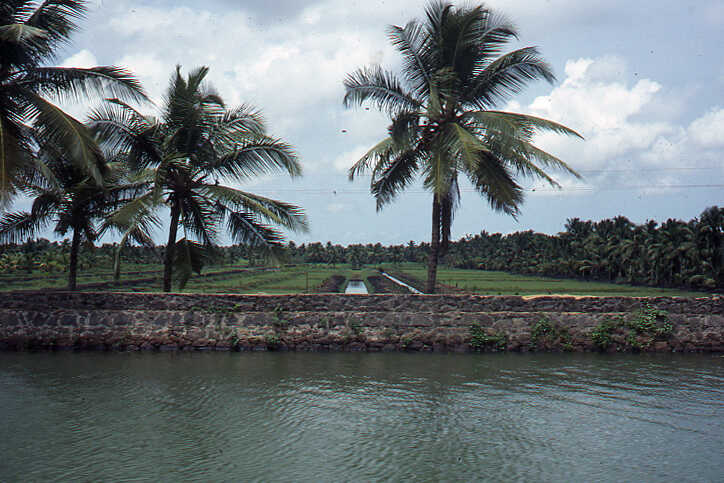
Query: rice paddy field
{"x": 309, "y": 278}
{"x": 501, "y": 283}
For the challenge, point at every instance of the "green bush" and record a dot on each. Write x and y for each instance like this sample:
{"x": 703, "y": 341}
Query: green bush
{"x": 480, "y": 340}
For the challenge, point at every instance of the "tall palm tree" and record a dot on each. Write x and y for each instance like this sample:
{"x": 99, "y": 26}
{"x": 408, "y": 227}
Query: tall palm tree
{"x": 184, "y": 153}
{"x": 65, "y": 195}
{"x": 443, "y": 125}
{"x": 30, "y": 34}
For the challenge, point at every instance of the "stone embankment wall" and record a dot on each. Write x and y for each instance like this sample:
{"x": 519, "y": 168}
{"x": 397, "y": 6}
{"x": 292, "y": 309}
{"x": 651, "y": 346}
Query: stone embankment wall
{"x": 461, "y": 323}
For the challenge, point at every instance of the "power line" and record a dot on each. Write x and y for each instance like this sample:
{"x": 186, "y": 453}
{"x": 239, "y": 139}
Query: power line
{"x": 337, "y": 192}
{"x": 623, "y": 170}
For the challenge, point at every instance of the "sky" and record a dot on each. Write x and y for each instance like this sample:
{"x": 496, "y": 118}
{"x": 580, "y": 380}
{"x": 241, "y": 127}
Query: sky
{"x": 642, "y": 81}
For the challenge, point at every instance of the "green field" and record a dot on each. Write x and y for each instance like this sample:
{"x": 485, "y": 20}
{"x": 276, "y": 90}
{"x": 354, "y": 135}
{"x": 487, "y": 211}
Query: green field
{"x": 287, "y": 280}
{"x": 502, "y": 283}
{"x": 308, "y": 278}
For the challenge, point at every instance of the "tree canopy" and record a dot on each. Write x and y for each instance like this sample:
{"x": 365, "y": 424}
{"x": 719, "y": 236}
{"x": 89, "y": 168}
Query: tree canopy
{"x": 30, "y": 34}
{"x": 184, "y": 154}
{"x": 443, "y": 121}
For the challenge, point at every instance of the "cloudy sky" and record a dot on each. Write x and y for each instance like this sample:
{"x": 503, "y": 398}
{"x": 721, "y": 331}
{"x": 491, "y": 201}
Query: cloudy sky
{"x": 642, "y": 80}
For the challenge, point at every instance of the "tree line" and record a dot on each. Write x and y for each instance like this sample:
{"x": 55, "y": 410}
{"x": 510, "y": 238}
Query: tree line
{"x": 674, "y": 253}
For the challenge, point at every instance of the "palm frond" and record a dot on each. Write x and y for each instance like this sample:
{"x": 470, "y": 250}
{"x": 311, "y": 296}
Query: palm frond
{"x": 18, "y": 226}
{"x": 189, "y": 257}
{"x": 492, "y": 179}
{"x": 124, "y": 132}
{"x": 413, "y": 42}
{"x": 15, "y": 154}
{"x": 244, "y": 118}
{"x": 57, "y": 18}
{"x": 268, "y": 210}
{"x": 516, "y": 124}
{"x": 245, "y": 228}
{"x": 381, "y": 151}
{"x": 73, "y": 83}
{"x": 136, "y": 213}
{"x": 199, "y": 217}
{"x": 45, "y": 204}
{"x": 256, "y": 156}
{"x": 505, "y": 77}
{"x": 19, "y": 33}
{"x": 530, "y": 151}
{"x": 405, "y": 129}
{"x": 380, "y": 87}
{"x": 56, "y": 128}
{"x": 395, "y": 177}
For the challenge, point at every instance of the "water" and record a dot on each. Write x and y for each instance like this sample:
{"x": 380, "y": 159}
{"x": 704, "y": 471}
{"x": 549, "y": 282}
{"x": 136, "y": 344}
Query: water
{"x": 342, "y": 417}
{"x": 400, "y": 282}
{"x": 356, "y": 286}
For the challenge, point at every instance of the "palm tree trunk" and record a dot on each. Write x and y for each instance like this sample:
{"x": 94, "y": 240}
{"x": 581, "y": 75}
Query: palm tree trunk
{"x": 434, "y": 247}
{"x": 170, "y": 248}
{"x": 73, "y": 263}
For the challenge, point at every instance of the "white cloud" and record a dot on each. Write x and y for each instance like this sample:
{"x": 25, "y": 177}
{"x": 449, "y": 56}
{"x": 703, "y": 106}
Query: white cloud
{"x": 595, "y": 100}
{"x": 708, "y": 130}
{"x": 82, "y": 59}
{"x": 624, "y": 145}
{"x": 345, "y": 160}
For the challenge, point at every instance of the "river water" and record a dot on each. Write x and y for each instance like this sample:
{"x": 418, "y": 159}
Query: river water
{"x": 342, "y": 417}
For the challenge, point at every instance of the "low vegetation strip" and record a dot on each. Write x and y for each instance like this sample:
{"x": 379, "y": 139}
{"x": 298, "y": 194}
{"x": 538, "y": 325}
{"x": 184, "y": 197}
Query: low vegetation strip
{"x": 382, "y": 285}
{"x": 410, "y": 280}
{"x": 485, "y": 282}
{"x": 334, "y": 284}
{"x": 309, "y": 278}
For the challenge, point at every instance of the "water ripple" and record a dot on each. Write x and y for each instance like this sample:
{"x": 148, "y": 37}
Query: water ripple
{"x": 331, "y": 417}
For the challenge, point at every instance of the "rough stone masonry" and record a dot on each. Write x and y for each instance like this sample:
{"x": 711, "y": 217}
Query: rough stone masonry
{"x": 336, "y": 322}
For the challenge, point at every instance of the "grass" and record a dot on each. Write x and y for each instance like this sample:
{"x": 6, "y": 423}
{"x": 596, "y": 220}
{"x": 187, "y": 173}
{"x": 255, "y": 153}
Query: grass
{"x": 502, "y": 283}
{"x": 287, "y": 280}
{"x": 306, "y": 278}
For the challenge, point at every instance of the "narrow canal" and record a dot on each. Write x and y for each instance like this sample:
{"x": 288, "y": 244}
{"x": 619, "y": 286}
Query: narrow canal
{"x": 356, "y": 286}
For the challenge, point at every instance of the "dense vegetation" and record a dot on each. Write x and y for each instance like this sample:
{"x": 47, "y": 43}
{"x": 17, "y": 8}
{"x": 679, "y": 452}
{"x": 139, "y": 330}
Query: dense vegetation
{"x": 673, "y": 254}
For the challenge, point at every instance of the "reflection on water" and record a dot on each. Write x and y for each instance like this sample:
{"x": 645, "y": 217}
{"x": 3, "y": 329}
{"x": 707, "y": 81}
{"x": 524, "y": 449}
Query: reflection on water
{"x": 332, "y": 417}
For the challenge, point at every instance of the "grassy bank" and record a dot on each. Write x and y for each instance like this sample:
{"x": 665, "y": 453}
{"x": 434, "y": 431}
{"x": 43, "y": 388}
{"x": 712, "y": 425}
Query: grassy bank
{"x": 308, "y": 278}
{"x": 502, "y": 283}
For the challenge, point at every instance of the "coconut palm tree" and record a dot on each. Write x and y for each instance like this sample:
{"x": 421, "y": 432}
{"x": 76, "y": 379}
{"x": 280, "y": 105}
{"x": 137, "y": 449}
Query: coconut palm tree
{"x": 64, "y": 194}
{"x": 184, "y": 153}
{"x": 443, "y": 123}
{"x": 30, "y": 34}
{"x": 711, "y": 230}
